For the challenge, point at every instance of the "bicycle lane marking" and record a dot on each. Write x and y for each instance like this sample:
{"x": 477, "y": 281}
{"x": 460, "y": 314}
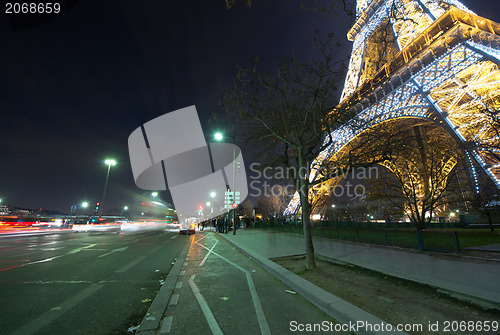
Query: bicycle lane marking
{"x": 212, "y": 323}
{"x": 208, "y": 254}
{"x": 261, "y": 317}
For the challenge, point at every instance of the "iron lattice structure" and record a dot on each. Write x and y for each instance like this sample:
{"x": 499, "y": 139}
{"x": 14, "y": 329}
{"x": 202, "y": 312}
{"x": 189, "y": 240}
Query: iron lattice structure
{"x": 427, "y": 59}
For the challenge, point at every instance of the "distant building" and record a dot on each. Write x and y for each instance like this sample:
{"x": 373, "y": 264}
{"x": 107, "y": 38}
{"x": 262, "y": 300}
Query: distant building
{"x": 21, "y": 212}
{"x": 4, "y": 210}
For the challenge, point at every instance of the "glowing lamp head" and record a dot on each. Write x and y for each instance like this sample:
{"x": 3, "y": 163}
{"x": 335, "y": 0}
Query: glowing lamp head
{"x": 218, "y": 136}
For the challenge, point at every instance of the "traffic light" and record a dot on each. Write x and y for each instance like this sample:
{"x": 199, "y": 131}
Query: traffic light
{"x": 97, "y": 204}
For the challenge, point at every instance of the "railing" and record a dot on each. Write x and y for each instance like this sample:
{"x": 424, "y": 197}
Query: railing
{"x": 442, "y": 237}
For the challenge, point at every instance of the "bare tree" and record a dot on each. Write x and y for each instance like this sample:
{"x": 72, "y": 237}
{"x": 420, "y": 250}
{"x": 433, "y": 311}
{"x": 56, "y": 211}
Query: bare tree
{"x": 247, "y": 208}
{"x": 421, "y": 156}
{"x": 288, "y": 113}
{"x": 268, "y": 206}
{"x": 274, "y": 200}
{"x": 486, "y": 198}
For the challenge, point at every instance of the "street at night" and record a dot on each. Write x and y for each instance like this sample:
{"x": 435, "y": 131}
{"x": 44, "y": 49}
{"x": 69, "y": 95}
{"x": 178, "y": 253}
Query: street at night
{"x": 250, "y": 167}
{"x": 82, "y": 283}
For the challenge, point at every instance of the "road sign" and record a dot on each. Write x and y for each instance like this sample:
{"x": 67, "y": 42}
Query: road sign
{"x": 231, "y": 199}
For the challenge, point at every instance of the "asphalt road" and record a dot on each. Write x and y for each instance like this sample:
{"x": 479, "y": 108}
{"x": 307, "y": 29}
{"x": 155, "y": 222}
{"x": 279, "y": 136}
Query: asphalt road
{"x": 85, "y": 283}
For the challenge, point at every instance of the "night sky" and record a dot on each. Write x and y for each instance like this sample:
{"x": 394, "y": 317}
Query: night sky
{"x": 74, "y": 88}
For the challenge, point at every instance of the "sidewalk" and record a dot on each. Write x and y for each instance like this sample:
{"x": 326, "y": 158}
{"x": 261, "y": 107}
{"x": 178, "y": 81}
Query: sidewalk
{"x": 462, "y": 277}
{"x": 214, "y": 289}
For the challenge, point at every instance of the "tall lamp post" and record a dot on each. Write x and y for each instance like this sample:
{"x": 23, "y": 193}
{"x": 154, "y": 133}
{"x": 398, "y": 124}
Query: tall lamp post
{"x": 109, "y": 162}
{"x": 84, "y": 205}
{"x": 218, "y": 137}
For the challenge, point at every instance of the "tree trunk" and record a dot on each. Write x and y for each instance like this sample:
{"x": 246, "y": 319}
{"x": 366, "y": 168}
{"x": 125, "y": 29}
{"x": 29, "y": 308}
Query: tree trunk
{"x": 420, "y": 240}
{"x": 488, "y": 214}
{"x": 304, "y": 202}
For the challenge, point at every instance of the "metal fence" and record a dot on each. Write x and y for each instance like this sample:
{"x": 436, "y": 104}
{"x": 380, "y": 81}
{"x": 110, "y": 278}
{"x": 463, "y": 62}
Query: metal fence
{"x": 439, "y": 237}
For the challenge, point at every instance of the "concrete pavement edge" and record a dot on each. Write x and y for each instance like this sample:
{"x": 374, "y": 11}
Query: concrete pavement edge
{"x": 151, "y": 321}
{"x": 341, "y": 310}
{"x": 454, "y": 294}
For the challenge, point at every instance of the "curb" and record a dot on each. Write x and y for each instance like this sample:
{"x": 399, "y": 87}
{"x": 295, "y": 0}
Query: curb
{"x": 341, "y": 310}
{"x": 463, "y": 297}
{"x": 480, "y": 302}
{"x": 469, "y": 299}
{"x": 151, "y": 321}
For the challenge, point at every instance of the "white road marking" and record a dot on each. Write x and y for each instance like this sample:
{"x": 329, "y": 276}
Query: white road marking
{"x": 174, "y": 300}
{"x": 212, "y": 323}
{"x": 131, "y": 264}
{"x": 173, "y": 237}
{"x": 34, "y": 245}
{"x": 74, "y": 251}
{"x": 208, "y": 254}
{"x": 113, "y": 251}
{"x": 166, "y": 325}
{"x": 261, "y": 317}
{"x": 48, "y": 317}
{"x": 201, "y": 238}
{"x": 178, "y": 285}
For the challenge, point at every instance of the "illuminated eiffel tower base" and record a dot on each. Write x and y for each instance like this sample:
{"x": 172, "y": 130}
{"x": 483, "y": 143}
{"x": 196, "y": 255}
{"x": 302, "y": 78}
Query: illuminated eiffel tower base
{"x": 431, "y": 60}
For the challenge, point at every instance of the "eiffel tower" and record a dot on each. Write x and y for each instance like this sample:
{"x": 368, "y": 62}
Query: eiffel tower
{"x": 439, "y": 62}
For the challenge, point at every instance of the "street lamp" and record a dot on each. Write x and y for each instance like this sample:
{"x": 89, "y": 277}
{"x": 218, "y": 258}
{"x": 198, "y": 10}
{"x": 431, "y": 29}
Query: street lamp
{"x": 84, "y": 205}
{"x": 109, "y": 162}
{"x": 218, "y": 137}
{"x": 154, "y": 194}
